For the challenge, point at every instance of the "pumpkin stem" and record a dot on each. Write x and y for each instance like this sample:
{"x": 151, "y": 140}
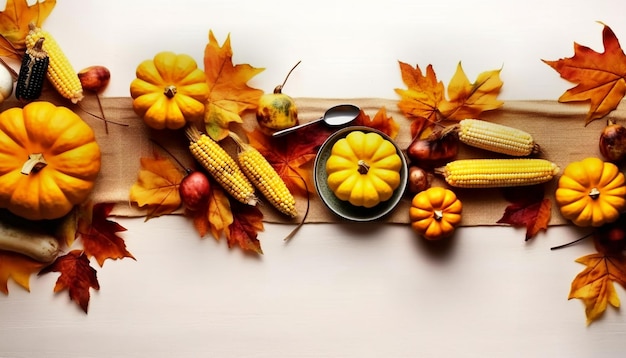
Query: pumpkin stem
{"x": 35, "y": 163}
{"x": 170, "y": 91}
{"x": 438, "y": 215}
{"x": 594, "y": 193}
{"x": 363, "y": 167}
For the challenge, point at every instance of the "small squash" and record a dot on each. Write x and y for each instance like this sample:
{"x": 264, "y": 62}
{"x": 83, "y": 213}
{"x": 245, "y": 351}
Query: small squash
{"x": 591, "y": 192}
{"x": 169, "y": 91}
{"x": 435, "y": 213}
{"x": 49, "y": 160}
{"x": 363, "y": 168}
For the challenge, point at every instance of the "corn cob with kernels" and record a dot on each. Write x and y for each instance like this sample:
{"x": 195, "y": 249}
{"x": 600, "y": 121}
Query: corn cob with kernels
{"x": 32, "y": 72}
{"x": 265, "y": 178}
{"x": 221, "y": 166}
{"x": 60, "y": 71}
{"x": 495, "y": 173}
{"x": 496, "y": 138}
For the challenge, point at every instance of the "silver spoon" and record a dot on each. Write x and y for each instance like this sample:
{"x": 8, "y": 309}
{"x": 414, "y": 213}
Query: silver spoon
{"x": 334, "y": 117}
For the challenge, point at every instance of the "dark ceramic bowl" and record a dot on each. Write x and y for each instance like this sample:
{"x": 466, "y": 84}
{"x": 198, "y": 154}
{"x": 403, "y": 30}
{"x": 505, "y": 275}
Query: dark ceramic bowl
{"x": 343, "y": 208}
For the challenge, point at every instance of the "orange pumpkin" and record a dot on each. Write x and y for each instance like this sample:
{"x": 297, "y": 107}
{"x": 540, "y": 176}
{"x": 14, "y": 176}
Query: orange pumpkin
{"x": 49, "y": 160}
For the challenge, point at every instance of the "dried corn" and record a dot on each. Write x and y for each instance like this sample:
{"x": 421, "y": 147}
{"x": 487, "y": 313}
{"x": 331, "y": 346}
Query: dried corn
{"x": 493, "y": 173}
{"x": 221, "y": 166}
{"x": 60, "y": 71}
{"x": 496, "y": 138}
{"x": 32, "y": 72}
{"x": 265, "y": 178}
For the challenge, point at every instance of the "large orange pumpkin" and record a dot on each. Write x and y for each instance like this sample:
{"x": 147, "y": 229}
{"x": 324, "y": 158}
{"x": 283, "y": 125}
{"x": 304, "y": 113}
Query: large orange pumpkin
{"x": 49, "y": 160}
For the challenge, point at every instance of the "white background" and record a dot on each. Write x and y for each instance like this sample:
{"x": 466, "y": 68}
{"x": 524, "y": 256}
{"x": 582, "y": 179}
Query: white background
{"x": 336, "y": 290}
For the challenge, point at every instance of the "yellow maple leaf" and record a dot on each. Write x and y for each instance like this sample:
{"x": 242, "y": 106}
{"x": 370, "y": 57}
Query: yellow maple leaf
{"x": 156, "y": 187}
{"x": 229, "y": 94}
{"x": 17, "y": 267}
{"x": 14, "y": 20}
{"x": 594, "y": 285}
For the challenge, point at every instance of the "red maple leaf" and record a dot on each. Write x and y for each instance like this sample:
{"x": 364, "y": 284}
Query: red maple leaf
{"x": 247, "y": 222}
{"x": 77, "y": 276}
{"x": 99, "y": 235}
{"x": 528, "y": 209}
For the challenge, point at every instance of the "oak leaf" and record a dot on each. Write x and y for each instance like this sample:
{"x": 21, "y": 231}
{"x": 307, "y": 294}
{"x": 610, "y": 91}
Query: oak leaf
{"x": 292, "y": 156}
{"x": 381, "y": 122}
{"x": 424, "y": 101}
{"x": 99, "y": 235}
{"x": 600, "y": 76}
{"x": 17, "y": 267}
{"x": 229, "y": 94}
{"x": 156, "y": 188}
{"x": 243, "y": 232}
{"x": 594, "y": 285}
{"x": 528, "y": 209}
{"x": 14, "y": 20}
{"x": 77, "y": 276}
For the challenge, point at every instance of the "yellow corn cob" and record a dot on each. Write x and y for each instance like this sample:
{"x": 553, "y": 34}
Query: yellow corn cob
{"x": 60, "y": 71}
{"x": 263, "y": 176}
{"x": 221, "y": 166}
{"x": 496, "y": 138}
{"x": 495, "y": 173}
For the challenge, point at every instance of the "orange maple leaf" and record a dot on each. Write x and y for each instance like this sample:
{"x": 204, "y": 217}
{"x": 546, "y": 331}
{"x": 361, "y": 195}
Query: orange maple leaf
{"x": 528, "y": 209}
{"x": 17, "y": 267}
{"x": 380, "y": 121}
{"x": 156, "y": 187}
{"x": 247, "y": 222}
{"x": 230, "y": 94}
{"x": 594, "y": 285}
{"x": 215, "y": 216}
{"x": 425, "y": 104}
{"x": 99, "y": 235}
{"x": 14, "y": 20}
{"x": 292, "y": 156}
{"x": 600, "y": 77}
{"x": 77, "y": 276}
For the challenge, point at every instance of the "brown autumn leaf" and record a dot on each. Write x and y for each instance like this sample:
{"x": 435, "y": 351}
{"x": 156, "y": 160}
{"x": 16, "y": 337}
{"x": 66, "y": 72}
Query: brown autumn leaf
{"x": 17, "y": 267}
{"x": 156, "y": 188}
{"x": 528, "y": 209}
{"x": 600, "y": 77}
{"x": 215, "y": 216}
{"x": 424, "y": 101}
{"x": 595, "y": 284}
{"x": 14, "y": 20}
{"x": 292, "y": 156}
{"x": 77, "y": 276}
{"x": 230, "y": 95}
{"x": 99, "y": 235}
{"x": 381, "y": 121}
{"x": 243, "y": 232}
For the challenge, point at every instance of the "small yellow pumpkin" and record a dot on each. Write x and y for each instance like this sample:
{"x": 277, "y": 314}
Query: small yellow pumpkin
{"x": 363, "y": 168}
{"x": 169, "y": 91}
{"x": 49, "y": 160}
{"x": 591, "y": 192}
{"x": 435, "y": 213}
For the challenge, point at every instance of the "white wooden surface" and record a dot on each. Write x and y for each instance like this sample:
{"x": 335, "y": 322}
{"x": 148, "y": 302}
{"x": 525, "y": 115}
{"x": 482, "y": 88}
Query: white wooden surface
{"x": 336, "y": 290}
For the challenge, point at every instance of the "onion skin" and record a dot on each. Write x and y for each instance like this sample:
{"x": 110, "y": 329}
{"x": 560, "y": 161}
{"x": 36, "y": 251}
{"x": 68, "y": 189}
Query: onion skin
{"x": 612, "y": 142}
{"x": 418, "y": 180}
{"x": 94, "y": 78}
{"x": 435, "y": 150}
{"x": 194, "y": 191}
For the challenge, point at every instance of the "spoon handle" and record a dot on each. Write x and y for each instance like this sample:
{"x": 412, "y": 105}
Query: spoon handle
{"x": 285, "y": 131}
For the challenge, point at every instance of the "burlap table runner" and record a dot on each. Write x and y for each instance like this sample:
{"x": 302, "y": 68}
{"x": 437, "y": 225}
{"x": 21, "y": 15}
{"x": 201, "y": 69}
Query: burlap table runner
{"x": 558, "y": 128}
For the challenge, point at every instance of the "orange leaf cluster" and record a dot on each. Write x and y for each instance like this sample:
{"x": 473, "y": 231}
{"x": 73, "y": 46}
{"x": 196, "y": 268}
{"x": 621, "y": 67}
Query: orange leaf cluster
{"x": 600, "y": 76}
{"x": 529, "y": 208}
{"x": 424, "y": 101}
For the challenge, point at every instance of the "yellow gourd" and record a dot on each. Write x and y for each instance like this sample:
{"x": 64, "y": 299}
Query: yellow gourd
{"x": 363, "y": 168}
{"x": 435, "y": 213}
{"x": 169, "y": 91}
{"x": 591, "y": 192}
{"x": 49, "y": 160}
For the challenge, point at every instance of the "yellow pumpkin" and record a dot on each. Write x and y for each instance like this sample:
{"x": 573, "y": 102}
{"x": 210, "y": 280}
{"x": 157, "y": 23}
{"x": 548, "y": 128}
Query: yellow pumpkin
{"x": 363, "y": 168}
{"x": 169, "y": 91}
{"x": 49, "y": 160}
{"x": 591, "y": 192}
{"x": 435, "y": 213}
